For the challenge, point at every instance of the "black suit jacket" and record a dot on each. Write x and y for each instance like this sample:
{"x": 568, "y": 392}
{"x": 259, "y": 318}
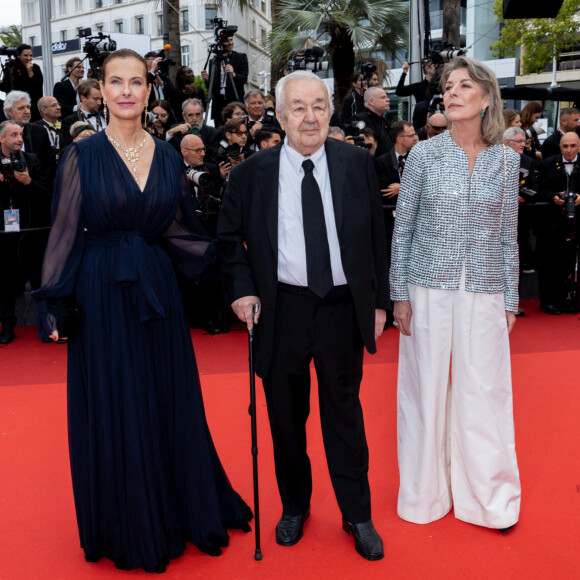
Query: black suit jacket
{"x": 551, "y": 145}
{"x": 248, "y": 237}
{"x": 553, "y": 181}
{"x": 37, "y": 141}
{"x": 66, "y": 95}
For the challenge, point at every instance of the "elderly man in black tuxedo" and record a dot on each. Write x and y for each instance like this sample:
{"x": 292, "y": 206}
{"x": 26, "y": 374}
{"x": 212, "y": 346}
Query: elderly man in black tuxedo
{"x": 301, "y": 236}
{"x": 376, "y": 105}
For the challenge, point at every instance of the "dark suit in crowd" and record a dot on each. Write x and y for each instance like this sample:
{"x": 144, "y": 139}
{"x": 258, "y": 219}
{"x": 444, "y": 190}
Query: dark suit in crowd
{"x": 287, "y": 337}
{"x": 16, "y": 79}
{"x": 66, "y": 94}
{"x": 551, "y": 146}
{"x": 556, "y": 255}
{"x": 381, "y": 128}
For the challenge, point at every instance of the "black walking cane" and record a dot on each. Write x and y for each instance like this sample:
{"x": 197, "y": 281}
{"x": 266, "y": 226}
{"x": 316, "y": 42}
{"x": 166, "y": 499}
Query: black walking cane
{"x": 252, "y": 410}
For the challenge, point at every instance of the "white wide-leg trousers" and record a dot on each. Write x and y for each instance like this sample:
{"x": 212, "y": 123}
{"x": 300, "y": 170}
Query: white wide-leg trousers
{"x": 456, "y": 434}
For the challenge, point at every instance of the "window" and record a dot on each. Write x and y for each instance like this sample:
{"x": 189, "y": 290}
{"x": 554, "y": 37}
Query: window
{"x": 119, "y": 26}
{"x": 98, "y": 3}
{"x": 99, "y": 26}
{"x": 63, "y": 35}
{"x": 253, "y": 69}
{"x": 139, "y": 27}
{"x": 79, "y": 28}
{"x": 184, "y": 20}
{"x": 253, "y": 30}
{"x": 210, "y": 14}
{"x": 263, "y": 6}
{"x": 30, "y": 12}
{"x": 262, "y": 36}
{"x": 118, "y": 1}
{"x": 160, "y": 25}
{"x": 78, "y": 5}
{"x": 62, "y": 7}
{"x": 185, "y": 54}
{"x": 32, "y": 40}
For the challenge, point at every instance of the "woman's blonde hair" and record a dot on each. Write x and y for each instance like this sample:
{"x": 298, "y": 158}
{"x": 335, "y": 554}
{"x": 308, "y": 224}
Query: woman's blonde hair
{"x": 492, "y": 125}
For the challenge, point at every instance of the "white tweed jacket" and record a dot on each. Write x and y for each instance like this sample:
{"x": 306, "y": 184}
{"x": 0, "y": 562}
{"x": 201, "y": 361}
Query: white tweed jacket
{"x": 446, "y": 219}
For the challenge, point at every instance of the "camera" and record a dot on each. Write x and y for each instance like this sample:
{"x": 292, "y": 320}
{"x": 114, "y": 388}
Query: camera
{"x": 535, "y": 130}
{"x": 307, "y": 59}
{"x": 200, "y": 178}
{"x": 221, "y": 32}
{"x": 367, "y": 69}
{"x": 441, "y": 51}
{"x": 527, "y": 193}
{"x": 7, "y": 51}
{"x": 226, "y": 151}
{"x": 353, "y": 127}
{"x": 8, "y": 165}
{"x": 569, "y": 208}
{"x": 359, "y": 142}
{"x": 97, "y": 49}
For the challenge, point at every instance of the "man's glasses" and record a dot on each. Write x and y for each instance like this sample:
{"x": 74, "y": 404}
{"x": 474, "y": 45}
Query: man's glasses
{"x": 240, "y": 132}
{"x": 410, "y": 135}
{"x": 436, "y": 128}
{"x": 200, "y": 150}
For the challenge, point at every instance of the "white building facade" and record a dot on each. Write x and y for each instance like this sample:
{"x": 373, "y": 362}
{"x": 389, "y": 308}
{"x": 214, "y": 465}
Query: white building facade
{"x": 138, "y": 24}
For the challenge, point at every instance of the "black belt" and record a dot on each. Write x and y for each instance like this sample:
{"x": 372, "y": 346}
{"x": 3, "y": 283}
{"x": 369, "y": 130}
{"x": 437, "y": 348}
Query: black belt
{"x": 305, "y": 291}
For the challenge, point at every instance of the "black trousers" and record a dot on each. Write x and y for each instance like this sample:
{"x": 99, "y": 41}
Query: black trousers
{"x": 326, "y": 331}
{"x": 21, "y": 256}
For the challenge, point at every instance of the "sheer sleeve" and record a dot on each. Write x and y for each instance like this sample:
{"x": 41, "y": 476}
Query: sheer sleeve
{"x": 65, "y": 244}
{"x": 193, "y": 251}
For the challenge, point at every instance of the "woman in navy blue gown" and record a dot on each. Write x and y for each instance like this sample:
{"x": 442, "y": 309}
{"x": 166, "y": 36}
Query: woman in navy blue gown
{"x": 146, "y": 476}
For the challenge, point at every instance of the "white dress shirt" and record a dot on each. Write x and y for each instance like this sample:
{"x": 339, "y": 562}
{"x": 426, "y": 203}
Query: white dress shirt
{"x": 291, "y": 244}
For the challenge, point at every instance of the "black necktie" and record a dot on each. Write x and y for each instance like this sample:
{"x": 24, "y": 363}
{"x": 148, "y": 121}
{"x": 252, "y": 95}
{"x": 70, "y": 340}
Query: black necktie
{"x": 401, "y": 160}
{"x": 317, "y": 251}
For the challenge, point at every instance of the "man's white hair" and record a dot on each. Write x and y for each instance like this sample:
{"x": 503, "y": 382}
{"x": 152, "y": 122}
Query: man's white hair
{"x": 297, "y": 76}
{"x": 512, "y": 132}
{"x": 13, "y": 97}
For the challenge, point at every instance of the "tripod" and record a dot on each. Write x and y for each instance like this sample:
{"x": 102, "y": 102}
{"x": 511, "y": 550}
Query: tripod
{"x": 219, "y": 61}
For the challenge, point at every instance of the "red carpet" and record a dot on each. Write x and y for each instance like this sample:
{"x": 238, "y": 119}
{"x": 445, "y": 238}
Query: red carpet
{"x": 38, "y": 536}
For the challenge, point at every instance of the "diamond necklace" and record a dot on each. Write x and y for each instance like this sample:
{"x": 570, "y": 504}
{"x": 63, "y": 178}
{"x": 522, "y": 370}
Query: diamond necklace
{"x": 131, "y": 153}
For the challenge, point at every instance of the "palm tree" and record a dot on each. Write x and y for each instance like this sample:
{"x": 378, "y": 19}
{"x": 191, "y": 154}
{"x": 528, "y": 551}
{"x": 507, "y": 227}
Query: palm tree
{"x": 347, "y": 29}
{"x": 11, "y": 36}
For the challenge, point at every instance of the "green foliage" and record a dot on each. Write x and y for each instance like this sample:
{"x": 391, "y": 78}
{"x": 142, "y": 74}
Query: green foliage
{"x": 369, "y": 25}
{"x": 539, "y": 38}
{"x": 11, "y": 36}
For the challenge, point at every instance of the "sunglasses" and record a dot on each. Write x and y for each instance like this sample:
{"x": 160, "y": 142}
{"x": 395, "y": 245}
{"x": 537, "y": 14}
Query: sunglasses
{"x": 435, "y": 128}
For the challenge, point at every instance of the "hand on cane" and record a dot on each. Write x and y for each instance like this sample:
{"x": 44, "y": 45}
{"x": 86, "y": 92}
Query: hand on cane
{"x": 244, "y": 310}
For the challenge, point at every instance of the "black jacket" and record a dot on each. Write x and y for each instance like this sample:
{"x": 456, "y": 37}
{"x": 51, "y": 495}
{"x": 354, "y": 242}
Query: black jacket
{"x": 239, "y": 62}
{"x": 32, "y": 200}
{"x": 551, "y": 146}
{"x": 248, "y": 237}
{"x": 381, "y": 128}
{"x": 417, "y": 90}
{"x": 66, "y": 95}
{"x": 17, "y": 79}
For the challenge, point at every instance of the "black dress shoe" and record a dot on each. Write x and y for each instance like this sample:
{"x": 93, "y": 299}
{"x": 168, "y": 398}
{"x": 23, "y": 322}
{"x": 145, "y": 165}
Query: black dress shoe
{"x": 289, "y": 529}
{"x": 550, "y": 309}
{"x": 367, "y": 541}
{"x": 506, "y": 530}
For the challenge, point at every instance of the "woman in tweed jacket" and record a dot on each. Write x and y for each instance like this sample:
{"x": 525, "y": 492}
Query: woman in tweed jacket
{"x": 454, "y": 280}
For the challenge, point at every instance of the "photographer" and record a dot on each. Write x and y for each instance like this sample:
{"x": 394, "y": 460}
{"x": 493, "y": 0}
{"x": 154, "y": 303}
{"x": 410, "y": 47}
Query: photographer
{"x": 515, "y": 138}
{"x": 530, "y": 116}
{"x": 21, "y": 74}
{"x": 569, "y": 119}
{"x": 258, "y": 116}
{"x": 163, "y": 119}
{"x": 233, "y": 110}
{"x": 376, "y": 105}
{"x": 50, "y": 112}
{"x": 25, "y": 200}
{"x": 236, "y": 151}
{"x": 192, "y": 112}
{"x": 65, "y": 91}
{"x": 158, "y": 77}
{"x": 186, "y": 87}
{"x": 557, "y": 239}
{"x": 89, "y": 110}
{"x": 231, "y": 71}
{"x": 353, "y": 103}
{"x": 417, "y": 90}
{"x": 35, "y": 138}
{"x": 204, "y": 301}
{"x": 436, "y": 124}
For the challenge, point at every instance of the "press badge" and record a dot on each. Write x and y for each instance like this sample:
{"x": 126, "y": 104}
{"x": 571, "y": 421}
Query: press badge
{"x": 11, "y": 220}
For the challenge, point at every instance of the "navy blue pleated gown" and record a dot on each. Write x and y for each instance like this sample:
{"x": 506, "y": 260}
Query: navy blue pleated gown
{"x": 146, "y": 476}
